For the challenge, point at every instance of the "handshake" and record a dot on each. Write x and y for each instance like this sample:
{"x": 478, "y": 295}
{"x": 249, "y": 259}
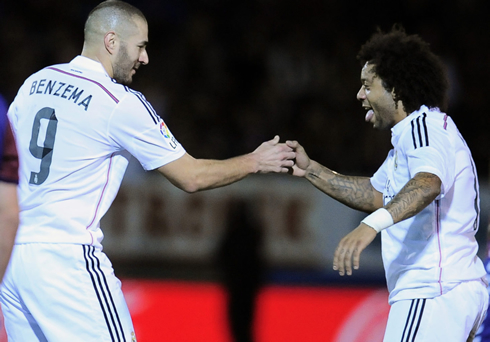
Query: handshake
{"x": 273, "y": 156}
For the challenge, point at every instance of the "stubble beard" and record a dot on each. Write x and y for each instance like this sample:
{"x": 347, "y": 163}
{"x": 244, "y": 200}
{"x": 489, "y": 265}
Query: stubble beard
{"x": 123, "y": 67}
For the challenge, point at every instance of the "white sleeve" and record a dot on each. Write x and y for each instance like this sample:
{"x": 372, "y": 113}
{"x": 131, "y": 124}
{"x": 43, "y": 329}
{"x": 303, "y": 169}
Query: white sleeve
{"x": 136, "y": 127}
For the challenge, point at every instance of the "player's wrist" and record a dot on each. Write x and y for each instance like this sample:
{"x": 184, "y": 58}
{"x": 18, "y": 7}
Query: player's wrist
{"x": 251, "y": 162}
{"x": 379, "y": 220}
{"x": 313, "y": 168}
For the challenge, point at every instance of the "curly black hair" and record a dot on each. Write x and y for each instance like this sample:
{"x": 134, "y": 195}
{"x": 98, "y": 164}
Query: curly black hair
{"x": 406, "y": 64}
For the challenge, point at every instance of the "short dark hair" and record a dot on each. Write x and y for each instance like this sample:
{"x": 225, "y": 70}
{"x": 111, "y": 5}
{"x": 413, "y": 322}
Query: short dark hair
{"x": 119, "y": 6}
{"x": 107, "y": 11}
{"x": 406, "y": 64}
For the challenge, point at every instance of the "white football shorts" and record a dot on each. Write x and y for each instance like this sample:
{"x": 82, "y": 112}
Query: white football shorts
{"x": 63, "y": 292}
{"x": 452, "y": 317}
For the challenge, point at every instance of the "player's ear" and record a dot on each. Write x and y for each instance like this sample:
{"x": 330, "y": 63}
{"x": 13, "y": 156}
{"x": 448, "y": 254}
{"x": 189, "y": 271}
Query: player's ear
{"x": 110, "y": 42}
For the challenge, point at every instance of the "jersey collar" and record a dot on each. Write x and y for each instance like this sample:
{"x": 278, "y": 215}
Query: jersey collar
{"x": 84, "y": 63}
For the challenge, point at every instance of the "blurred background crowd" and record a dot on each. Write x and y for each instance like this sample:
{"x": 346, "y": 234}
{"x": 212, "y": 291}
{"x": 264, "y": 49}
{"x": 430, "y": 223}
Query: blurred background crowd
{"x": 227, "y": 75}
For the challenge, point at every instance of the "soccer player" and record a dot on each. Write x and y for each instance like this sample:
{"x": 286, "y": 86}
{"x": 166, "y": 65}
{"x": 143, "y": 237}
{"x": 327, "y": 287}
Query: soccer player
{"x": 77, "y": 126}
{"x": 424, "y": 199}
{"x": 9, "y": 208}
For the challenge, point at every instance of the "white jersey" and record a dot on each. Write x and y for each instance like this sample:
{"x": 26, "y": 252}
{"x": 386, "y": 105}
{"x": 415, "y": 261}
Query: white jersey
{"x": 430, "y": 253}
{"x": 76, "y": 130}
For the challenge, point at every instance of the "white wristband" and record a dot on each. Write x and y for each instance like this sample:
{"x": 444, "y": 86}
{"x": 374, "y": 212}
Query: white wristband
{"x": 379, "y": 220}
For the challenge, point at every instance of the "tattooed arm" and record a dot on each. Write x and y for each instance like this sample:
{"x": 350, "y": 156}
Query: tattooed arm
{"x": 358, "y": 193}
{"x": 418, "y": 193}
{"x": 355, "y": 192}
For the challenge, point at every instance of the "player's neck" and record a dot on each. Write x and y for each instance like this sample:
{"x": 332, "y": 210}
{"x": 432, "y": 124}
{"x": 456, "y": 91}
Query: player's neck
{"x": 86, "y": 52}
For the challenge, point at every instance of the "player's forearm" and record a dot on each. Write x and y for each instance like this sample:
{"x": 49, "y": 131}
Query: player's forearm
{"x": 191, "y": 174}
{"x": 9, "y": 221}
{"x": 417, "y": 194}
{"x": 355, "y": 192}
{"x": 7, "y": 238}
{"x": 210, "y": 174}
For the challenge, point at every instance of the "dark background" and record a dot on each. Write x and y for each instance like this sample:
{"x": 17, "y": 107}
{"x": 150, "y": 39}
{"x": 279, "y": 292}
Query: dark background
{"x": 227, "y": 75}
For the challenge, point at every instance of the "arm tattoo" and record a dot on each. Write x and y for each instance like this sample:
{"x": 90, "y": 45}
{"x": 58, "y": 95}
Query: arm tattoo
{"x": 312, "y": 176}
{"x": 355, "y": 192}
{"x": 417, "y": 194}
